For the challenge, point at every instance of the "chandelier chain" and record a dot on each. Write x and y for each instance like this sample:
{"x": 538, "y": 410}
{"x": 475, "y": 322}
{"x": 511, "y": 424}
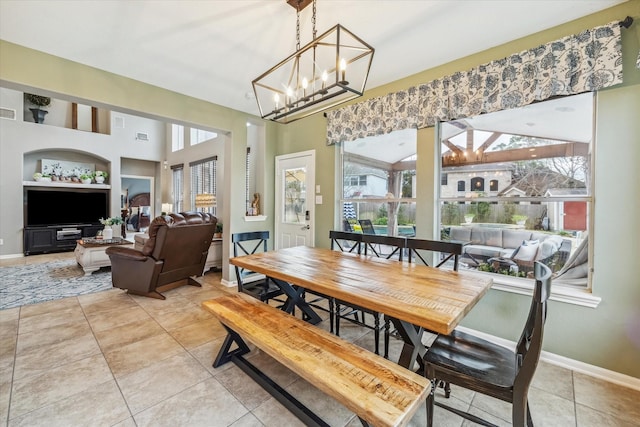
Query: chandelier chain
{"x": 313, "y": 20}
{"x": 298, "y": 26}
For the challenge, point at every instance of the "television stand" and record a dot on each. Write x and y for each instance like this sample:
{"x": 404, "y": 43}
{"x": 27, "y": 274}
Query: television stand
{"x": 56, "y": 238}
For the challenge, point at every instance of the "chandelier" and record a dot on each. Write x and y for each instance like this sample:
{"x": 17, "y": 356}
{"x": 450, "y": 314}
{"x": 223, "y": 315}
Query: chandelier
{"x": 331, "y": 69}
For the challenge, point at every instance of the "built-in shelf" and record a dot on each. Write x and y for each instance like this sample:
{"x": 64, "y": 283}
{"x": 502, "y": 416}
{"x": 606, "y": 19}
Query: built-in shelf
{"x": 65, "y": 185}
{"x": 255, "y": 218}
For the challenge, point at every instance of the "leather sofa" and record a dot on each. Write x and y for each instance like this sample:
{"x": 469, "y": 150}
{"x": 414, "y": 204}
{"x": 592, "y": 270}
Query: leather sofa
{"x": 177, "y": 249}
{"x": 522, "y": 246}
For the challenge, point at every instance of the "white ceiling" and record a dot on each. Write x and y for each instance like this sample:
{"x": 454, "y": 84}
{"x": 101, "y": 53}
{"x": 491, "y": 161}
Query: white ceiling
{"x": 213, "y": 49}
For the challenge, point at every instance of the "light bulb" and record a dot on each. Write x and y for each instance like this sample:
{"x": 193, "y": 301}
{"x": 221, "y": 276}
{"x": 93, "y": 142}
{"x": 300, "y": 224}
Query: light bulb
{"x": 276, "y": 99}
{"x": 305, "y": 83}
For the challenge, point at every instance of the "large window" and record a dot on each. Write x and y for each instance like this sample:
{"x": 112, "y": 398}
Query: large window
{"x": 199, "y": 136}
{"x": 519, "y": 189}
{"x": 203, "y": 181}
{"x": 177, "y": 138}
{"x": 177, "y": 180}
{"x": 379, "y": 182}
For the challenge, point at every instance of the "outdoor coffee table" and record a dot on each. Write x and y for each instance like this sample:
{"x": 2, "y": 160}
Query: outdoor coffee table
{"x": 90, "y": 253}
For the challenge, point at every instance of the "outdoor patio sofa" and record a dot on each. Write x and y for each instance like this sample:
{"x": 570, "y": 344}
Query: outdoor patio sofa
{"x": 524, "y": 247}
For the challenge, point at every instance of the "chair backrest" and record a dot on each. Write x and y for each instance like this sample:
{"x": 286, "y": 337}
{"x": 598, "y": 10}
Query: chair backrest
{"x": 346, "y": 225}
{"x": 530, "y": 343}
{"x": 396, "y": 244}
{"x": 247, "y": 243}
{"x": 448, "y": 249}
{"x": 182, "y": 242}
{"x": 367, "y": 226}
{"x": 345, "y": 241}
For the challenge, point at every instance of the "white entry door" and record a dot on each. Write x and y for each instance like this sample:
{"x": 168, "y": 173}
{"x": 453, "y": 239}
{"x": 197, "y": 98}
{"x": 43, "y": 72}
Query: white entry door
{"x": 295, "y": 199}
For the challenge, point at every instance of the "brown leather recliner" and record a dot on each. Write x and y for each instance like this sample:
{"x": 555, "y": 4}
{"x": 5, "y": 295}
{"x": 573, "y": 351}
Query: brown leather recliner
{"x": 177, "y": 249}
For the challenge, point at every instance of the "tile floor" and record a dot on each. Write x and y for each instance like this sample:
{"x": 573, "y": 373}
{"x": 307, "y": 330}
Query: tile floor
{"x": 111, "y": 359}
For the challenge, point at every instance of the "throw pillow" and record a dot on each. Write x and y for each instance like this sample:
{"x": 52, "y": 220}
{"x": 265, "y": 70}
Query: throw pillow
{"x": 527, "y": 251}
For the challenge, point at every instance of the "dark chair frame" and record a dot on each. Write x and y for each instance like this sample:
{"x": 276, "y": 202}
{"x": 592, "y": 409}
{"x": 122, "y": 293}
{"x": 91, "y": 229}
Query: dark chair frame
{"x": 399, "y": 244}
{"x": 499, "y": 372}
{"x": 345, "y": 236}
{"x": 264, "y": 289}
{"x": 450, "y": 250}
{"x": 413, "y": 246}
{"x": 367, "y": 226}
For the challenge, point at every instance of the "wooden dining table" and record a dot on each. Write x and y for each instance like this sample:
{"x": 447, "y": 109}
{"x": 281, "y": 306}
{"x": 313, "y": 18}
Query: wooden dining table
{"x": 415, "y": 297}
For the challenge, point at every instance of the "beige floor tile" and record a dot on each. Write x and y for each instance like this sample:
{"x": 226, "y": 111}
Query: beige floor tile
{"x": 177, "y": 319}
{"x": 554, "y": 379}
{"x": 106, "y": 301}
{"x": 101, "y": 405}
{"x": 243, "y": 387}
{"x": 104, "y": 320}
{"x": 7, "y": 351}
{"x": 275, "y": 370}
{"x": 161, "y": 380}
{"x": 129, "y": 422}
{"x": 140, "y": 354}
{"x": 33, "y": 392}
{"x": 120, "y": 336}
{"x": 588, "y": 417}
{"x": 40, "y": 359}
{"x": 321, "y": 404}
{"x": 248, "y": 420}
{"x": 206, "y": 403}
{"x": 199, "y": 332}
{"x": 272, "y": 414}
{"x": 49, "y": 307}
{"x": 9, "y": 314}
{"x": 51, "y": 319}
{"x": 6, "y": 376}
{"x": 48, "y": 336}
{"x": 607, "y": 397}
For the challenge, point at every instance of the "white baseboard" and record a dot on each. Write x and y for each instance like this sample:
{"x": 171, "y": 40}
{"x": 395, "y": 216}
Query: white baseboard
{"x": 11, "y": 256}
{"x": 564, "y": 362}
{"x": 229, "y": 283}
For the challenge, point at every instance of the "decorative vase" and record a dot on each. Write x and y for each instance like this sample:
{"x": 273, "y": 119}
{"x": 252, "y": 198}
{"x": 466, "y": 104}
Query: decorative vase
{"x": 86, "y": 181}
{"x": 45, "y": 179}
{"x": 38, "y": 114}
{"x": 107, "y": 233}
{"x": 99, "y": 179}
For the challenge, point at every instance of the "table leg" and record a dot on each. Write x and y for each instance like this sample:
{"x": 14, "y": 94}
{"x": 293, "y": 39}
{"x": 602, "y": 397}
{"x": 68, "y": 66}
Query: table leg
{"x": 413, "y": 349}
{"x": 295, "y": 299}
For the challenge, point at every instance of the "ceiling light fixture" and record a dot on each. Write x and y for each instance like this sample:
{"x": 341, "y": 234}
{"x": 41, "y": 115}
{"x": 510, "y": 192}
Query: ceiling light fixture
{"x": 331, "y": 69}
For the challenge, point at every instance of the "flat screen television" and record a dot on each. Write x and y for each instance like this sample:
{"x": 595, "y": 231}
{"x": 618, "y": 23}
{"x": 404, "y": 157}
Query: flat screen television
{"x": 63, "y": 206}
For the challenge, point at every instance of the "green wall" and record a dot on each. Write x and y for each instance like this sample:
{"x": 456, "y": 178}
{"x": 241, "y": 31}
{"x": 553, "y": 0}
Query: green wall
{"x": 600, "y": 336}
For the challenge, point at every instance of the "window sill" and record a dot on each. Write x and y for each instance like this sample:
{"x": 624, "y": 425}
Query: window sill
{"x": 560, "y": 293}
{"x": 255, "y": 218}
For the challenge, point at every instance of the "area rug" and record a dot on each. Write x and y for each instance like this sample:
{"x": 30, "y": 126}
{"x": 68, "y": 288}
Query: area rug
{"x": 31, "y": 284}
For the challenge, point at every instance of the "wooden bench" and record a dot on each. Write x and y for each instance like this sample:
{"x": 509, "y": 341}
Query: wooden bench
{"x": 378, "y": 391}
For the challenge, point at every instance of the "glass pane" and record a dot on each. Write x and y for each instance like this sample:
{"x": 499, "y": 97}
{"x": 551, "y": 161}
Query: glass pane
{"x": 295, "y": 199}
{"x": 388, "y": 218}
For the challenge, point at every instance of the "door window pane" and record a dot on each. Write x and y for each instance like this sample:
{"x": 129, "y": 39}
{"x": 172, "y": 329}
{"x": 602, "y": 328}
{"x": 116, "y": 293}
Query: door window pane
{"x": 295, "y": 195}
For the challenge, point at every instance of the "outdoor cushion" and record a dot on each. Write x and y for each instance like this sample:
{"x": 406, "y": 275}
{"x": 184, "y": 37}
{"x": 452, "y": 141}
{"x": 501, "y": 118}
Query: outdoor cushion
{"x": 486, "y": 236}
{"x": 514, "y": 238}
{"x": 460, "y": 233}
{"x": 527, "y": 251}
{"x": 483, "y": 250}
{"x": 549, "y": 246}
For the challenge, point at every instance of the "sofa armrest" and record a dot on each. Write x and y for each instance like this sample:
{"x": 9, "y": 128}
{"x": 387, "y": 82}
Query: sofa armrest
{"x": 125, "y": 253}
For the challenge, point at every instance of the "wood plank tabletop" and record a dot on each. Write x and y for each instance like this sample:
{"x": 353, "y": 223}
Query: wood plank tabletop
{"x": 433, "y": 298}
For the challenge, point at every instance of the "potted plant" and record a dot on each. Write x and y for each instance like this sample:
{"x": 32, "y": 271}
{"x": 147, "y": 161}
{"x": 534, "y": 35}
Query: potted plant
{"x": 38, "y": 101}
{"x": 107, "y": 233}
{"x": 519, "y": 219}
{"x": 100, "y": 176}
{"x": 86, "y": 178}
{"x": 218, "y": 233}
{"x": 468, "y": 218}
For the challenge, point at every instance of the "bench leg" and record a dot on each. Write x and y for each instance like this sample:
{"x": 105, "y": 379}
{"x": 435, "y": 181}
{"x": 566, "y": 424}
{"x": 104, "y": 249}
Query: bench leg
{"x": 295, "y": 298}
{"x": 281, "y": 395}
{"x": 226, "y": 354}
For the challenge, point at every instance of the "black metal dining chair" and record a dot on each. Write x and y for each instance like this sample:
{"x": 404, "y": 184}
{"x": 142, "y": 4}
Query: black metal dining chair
{"x": 354, "y": 313}
{"x": 258, "y": 286}
{"x": 416, "y": 249}
{"x": 488, "y": 368}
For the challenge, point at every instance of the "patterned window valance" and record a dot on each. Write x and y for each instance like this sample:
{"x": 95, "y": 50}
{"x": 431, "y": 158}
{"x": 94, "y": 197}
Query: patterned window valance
{"x": 579, "y": 63}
